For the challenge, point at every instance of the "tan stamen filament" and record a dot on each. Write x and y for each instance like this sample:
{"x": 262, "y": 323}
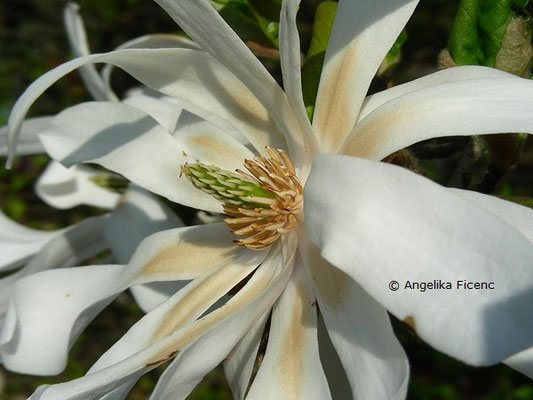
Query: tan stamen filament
{"x": 265, "y": 225}
{"x": 262, "y": 203}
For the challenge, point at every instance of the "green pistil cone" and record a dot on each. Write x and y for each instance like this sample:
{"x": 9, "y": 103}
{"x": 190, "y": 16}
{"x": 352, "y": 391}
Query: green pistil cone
{"x": 227, "y": 187}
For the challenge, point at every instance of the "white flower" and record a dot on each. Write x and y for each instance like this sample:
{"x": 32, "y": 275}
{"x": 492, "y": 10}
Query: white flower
{"x": 366, "y": 223}
{"x": 63, "y": 188}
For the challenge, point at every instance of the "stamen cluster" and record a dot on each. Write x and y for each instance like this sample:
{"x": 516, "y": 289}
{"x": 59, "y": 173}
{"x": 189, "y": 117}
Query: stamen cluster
{"x": 263, "y": 203}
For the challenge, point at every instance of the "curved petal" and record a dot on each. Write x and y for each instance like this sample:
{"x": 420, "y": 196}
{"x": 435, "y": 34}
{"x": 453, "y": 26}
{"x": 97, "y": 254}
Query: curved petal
{"x": 166, "y": 113}
{"x": 62, "y": 187}
{"x": 48, "y": 307}
{"x": 470, "y": 107}
{"x": 291, "y": 367}
{"x": 67, "y": 248}
{"x": 201, "y": 140}
{"x": 229, "y": 323}
{"x": 150, "y": 41}
{"x": 362, "y": 34}
{"x": 128, "y": 141}
{"x": 519, "y": 217}
{"x": 360, "y": 330}
{"x": 290, "y": 57}
{"x": 239, "y": 364}
{"x": 193, "y": 77}
{"x": 138, "y": 215}
{"x": 448, "y": 75}
{"x": 207, "y": 28}
{"x": 65, "y": 297}
{"x": 394, "y": 225}
{"x": 29, "y": 142}
{"x": 18, "y": 243}
{"x": 80, "y": 47}
{"x": 522, "y": 362}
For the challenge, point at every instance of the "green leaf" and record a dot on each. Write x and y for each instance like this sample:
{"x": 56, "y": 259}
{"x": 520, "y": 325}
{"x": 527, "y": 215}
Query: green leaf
{"x": 312, "y": 68}
{"x": 478, "y": 29}
{"x": 268, "y": 22}
{"x": 268, "y": 9}
{"x": 393, "y": 56}
{"x": 242, "y": 21}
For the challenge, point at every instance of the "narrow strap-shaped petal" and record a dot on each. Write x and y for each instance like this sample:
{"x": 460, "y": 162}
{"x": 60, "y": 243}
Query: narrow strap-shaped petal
{"x": 128, "y": 141}
{"x": 150, "y": 41}
{"x": 29, "y": 142}
{"x": 522, "y": 362}
{"x": 207, "y": 28}
{"x": 138, "y": 215}
{"x": 64, "y": 296}
{"x": 68, "y": 303}
{"x": 362, "y": 34}
{"x": 360, "y": 330}
{"x": 66, "y": 248}
{"x": 18, "y": 243}
{"x": 239, "y": 364}
{"x": 448, "y": 75}
{"x": 62, "y": 187}
{"x": 194, "y": 77}
{"x": 291, "y": 367}
{"x": 229, "y": 323}
{"x": 459, "y": 108}
{"x": 80, "y": 47}
{"x": 290, "y": 57}
{"x": 519, "y": 217}
{"x": 393, "y": 227}
{"x": 204, "y": 141}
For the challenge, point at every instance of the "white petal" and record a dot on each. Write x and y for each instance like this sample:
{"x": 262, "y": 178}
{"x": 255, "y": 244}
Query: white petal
{"x": 455, "y": 74}
{"x": 291, "y": 367}
{"x": 289, "y": 46}
{"x": 62, "y": 187}
{"x": 207, "y": 28}
{"x": 469, "y": 107}
{"x": 18, "y": 243}
{"x": 392, "y": 224}
{"x": 149, "y": 295}
{"x": 362, "y": 34}
{"x": 522, "y": 362}
{"x": 80, "y": 47}
{"x": 194, "y": 77}
{"x": 29, "y": 142}
{"x": 201, "y": 140}
{"x": 183, "y": 308}
{"x": 239, "y": 364}
{"x": 164, "y": 112}
{"x": 360, "y": 331}
{"x": 67, "y": 248}
{"x": 128, "y": 141}
{"x": 217, "y": 333}
{"x": 519, "y": 217}
{"x": 151, "y": 41}
{"x": 53, "y": 307}
{"x": 138, "y": 215}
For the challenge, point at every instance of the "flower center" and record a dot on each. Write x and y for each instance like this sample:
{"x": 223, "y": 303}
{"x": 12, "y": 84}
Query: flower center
{"x": 262, "y": 204}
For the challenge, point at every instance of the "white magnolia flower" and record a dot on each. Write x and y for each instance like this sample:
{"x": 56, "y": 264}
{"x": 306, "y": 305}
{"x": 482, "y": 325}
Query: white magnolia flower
{"x": 363, "y": 224}
{"x": 63, "y": 188}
